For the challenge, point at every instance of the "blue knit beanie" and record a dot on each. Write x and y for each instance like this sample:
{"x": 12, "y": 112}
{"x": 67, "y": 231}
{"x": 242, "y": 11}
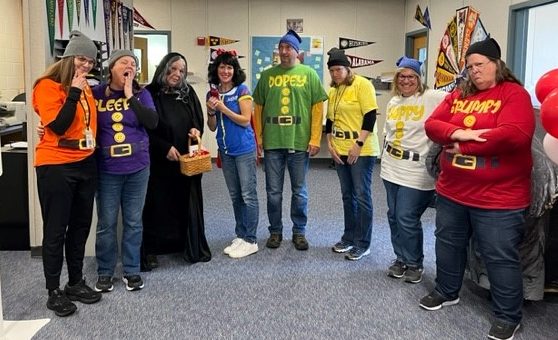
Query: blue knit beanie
{"x": 291, "y": 38}
{"x": 409, "y": 63}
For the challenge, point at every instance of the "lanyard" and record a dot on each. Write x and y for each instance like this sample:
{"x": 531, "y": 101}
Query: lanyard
{"x": 86, "y": 108}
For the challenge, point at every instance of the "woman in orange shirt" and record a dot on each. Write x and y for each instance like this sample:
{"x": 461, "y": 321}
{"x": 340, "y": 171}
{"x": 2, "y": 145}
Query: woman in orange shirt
{"x": 66, "y": 170}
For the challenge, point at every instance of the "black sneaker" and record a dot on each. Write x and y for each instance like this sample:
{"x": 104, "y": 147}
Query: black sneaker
{"x": 104, "y": 284}
{"x": 397, "y": 269}
{"x": 356, "y": 254}
{"x": 274, "y": 241}
{"x": 502, "y": 331}
{"x": 59, "y": 303}
{"x": 82, "y": 293}
{"x": 342, "y": 247}
{"x": 300, "y": 242}
{"x": 435, "y": 301}
{"x": 413, "y": 274}
{"x": 133, "y": 282}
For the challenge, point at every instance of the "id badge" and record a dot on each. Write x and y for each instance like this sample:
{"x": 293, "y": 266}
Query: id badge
{"x": 89, "y": 139}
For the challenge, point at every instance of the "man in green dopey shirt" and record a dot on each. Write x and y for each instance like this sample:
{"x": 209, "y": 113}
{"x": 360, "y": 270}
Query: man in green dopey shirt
{"x": 288, "y": 118}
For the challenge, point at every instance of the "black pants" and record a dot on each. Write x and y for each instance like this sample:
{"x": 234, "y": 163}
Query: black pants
{"x": 66, "y": 194}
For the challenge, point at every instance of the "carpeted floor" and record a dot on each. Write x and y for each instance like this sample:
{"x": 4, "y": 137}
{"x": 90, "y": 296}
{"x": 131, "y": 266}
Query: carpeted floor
{"x": 273, "y": 294}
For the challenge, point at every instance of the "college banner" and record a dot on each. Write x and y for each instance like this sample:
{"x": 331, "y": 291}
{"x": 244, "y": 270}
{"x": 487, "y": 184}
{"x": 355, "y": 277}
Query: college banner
{"x": 470, "y": 24}
{"x": 216, "y": 41}
{"x": 70, "y": 10}
{"x": 345, "y": 43}
{"x": 51, "y": 17}
{"x": 61, "y": 16}
{"x": 424, "y": 19}
{"x": 361, "y": 62}
{"x": 140, "y": 20}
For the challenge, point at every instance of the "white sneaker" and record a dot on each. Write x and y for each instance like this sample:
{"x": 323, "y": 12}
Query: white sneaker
{"x": 233, "y": 245}
{"x": 243, "y": 249}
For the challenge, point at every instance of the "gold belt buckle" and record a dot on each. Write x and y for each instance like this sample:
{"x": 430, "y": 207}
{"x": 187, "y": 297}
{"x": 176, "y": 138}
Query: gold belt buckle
{"x": 285, "y": 120}
{"x": 82, "y": 145}
{"x": 120, "y": 150}
{"x": 464, "y": 161}
{"x": 396, "y": 153}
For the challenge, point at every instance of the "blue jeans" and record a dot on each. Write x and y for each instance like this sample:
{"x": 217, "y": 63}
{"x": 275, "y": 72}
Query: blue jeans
{"x": 356, "y": 181}
{"x": 498, "y": 234}
{"x": 297, "y": 164}
{"x": 240, "y": 176}
{"x": 405, "y": 208}
{"x": 114, "y": 191}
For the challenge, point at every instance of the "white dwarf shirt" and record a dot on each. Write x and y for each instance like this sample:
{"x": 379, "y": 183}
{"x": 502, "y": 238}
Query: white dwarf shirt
{"x": 404, "y": 129}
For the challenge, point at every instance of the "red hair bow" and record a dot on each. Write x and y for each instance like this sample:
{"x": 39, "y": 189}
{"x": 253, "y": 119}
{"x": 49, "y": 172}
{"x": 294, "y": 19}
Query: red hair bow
{"x": 220, "y": 51}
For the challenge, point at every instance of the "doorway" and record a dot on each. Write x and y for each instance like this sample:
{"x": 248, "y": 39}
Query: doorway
{"x": 416, "y": 46}
{"x": 150, "y": 47}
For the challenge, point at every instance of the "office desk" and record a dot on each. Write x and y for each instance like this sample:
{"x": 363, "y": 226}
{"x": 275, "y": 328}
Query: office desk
{"x": 14, "y": 205}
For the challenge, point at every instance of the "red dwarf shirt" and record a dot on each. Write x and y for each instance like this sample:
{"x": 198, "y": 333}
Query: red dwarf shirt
{"x": 495, "y": 174}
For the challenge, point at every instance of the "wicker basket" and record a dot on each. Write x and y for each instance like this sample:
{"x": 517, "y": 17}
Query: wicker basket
{"x": 196, "y": 164}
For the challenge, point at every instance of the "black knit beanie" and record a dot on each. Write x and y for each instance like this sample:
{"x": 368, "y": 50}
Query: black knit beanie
{"x": 488, "y": 47}
{"x": 337, "y": 57}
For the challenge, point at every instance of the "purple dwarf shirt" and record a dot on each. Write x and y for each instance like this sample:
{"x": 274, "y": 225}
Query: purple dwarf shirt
{"x": 123, "y": 143}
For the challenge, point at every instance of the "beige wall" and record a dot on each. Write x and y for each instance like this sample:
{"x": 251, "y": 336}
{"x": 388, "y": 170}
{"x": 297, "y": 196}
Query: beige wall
{"x": 11, "y": 50}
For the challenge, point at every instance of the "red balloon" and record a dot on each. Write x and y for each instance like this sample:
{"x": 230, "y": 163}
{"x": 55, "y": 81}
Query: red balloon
{"x": 546, "y": 84}
{"x": 549, "y": 113}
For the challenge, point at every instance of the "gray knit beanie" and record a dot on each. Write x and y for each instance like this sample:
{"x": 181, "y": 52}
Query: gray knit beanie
{"x": 117, "y": 54}
{"x": 80, "y": 44}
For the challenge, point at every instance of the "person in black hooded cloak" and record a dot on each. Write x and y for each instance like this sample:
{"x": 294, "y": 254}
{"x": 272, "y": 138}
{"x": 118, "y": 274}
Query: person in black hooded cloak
{"x": 173, "y": 218}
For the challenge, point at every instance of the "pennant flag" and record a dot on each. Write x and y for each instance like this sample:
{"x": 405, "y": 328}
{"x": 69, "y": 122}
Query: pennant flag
{"x": 106, "y": 9}
{"x": 86, "y": 11}
{"x": 70, "y": 10}
{"x": 61, "y": 16}
{"x": 51, "y": 14}
{"x": 418, "y": 15}
{"x": 470, "y": 24}
{"x": 345, "y": 43}
{"x": 78, "y": 7}
{"x": 424, "y": 19}
{"x": 427, "y": 19}
{"x": 216, "y": 41}
{"x": 139, "y": 19}
{"x": 94, "y": 4}
{"x": 461, "y": 16}
{"x": 361, "y": 62}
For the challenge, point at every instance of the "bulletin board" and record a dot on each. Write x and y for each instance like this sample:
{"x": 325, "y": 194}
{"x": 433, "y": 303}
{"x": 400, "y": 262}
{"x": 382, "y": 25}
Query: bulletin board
{"x": 265, "y": 54}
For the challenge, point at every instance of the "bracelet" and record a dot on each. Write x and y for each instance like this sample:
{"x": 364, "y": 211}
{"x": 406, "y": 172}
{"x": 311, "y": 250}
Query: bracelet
{"x": 210, "y": 114}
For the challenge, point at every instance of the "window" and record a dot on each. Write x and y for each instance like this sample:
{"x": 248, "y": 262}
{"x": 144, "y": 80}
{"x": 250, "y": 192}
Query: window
{"x": 531, "y": 51}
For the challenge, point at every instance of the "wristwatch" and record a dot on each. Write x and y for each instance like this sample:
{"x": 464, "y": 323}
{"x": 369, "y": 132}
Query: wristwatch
{"x": 359, "y": 143}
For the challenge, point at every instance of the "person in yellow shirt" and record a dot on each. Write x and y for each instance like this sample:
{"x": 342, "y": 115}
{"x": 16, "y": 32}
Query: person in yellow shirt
{"x": 352, "y": 141}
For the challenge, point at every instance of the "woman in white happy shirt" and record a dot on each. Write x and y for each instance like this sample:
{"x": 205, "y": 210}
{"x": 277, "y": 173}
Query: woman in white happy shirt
{"x": 409, "y": 187}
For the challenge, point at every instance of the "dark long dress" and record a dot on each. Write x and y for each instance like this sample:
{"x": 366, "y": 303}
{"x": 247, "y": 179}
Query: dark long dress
{"x": 173, "y": 215}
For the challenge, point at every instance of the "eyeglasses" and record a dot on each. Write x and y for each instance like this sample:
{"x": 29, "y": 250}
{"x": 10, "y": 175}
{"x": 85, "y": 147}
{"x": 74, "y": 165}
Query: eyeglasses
{"x": 85, "y": 60}
{"x": 404, "y": 77}
{"x": 476, "y": 66}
